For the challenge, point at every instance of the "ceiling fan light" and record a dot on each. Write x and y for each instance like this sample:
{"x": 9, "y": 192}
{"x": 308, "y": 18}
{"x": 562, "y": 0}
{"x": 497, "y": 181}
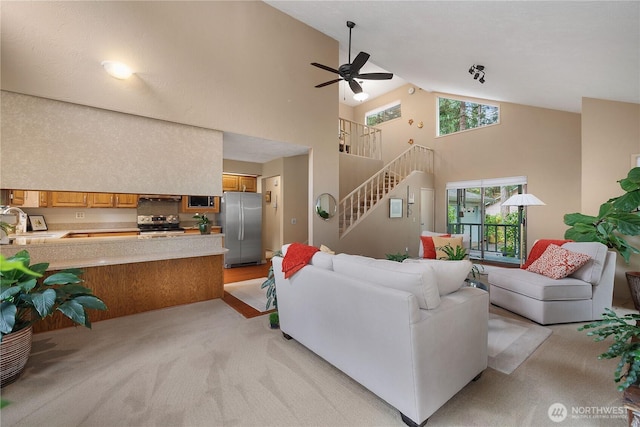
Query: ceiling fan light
{"x": 117, "y": 69}
{"x": 361, "y": 96}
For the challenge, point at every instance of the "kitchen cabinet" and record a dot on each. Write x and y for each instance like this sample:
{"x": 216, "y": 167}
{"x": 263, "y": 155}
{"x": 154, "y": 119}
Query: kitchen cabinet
{"x": 17, "y": 197}
{"x": 69, "y": 199}
{"x": 100, "y": 200}
{"x": 43, "y": 198}
{"x": 123, "y": 200}
{"x": 239, "y": 183}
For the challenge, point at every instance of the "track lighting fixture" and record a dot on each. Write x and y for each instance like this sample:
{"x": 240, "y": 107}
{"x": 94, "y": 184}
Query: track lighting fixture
{"x": 477, "y": 71}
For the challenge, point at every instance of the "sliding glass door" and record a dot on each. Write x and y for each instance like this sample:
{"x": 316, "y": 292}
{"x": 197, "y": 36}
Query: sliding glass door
{"x": 474, "y": 208}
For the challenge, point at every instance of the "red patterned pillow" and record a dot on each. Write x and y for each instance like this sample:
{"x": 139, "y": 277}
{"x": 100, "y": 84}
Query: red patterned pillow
{"x": 428, "y": 248}
{"x": 557, "y": 262}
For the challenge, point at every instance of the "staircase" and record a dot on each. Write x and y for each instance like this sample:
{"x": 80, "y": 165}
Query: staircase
{"x": 358, "y": 204}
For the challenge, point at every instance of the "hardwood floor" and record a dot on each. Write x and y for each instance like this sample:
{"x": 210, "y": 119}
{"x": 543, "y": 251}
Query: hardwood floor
{"x": 239, "y": 274}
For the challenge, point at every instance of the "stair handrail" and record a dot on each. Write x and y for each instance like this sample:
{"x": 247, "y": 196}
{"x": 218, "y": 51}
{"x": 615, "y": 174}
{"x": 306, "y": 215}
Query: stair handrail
{"x": 360, "y": 140}
{"x": 356, "y": 205}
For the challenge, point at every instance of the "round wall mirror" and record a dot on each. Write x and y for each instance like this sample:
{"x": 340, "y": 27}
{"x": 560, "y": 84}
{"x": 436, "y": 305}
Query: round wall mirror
{"x": 326, "y": 206}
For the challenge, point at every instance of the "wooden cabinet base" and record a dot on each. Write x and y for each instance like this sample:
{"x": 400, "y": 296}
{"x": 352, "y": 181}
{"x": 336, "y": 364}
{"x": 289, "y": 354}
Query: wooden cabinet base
{"x": 134, "y": 288}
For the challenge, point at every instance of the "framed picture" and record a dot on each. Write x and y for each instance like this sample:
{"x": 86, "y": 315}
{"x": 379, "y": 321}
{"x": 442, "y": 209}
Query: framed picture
{"x": 267, "y": 196}
{"x": 37, "y": 223}
{"x": 395, "y": 208}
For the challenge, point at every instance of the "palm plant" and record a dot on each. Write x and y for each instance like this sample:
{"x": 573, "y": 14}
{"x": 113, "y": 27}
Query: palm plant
{"x": 453, "y": 253}
{"x": 272, "y": 298}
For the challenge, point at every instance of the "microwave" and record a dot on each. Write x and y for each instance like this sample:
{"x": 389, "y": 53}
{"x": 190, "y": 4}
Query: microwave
{"x": 201, "y": 201}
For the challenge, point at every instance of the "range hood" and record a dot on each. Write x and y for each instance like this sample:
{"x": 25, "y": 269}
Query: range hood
{"x": 164, "y": 197}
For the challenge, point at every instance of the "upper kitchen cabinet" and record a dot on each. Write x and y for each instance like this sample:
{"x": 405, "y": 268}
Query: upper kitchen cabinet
{"x": 29, "y": 199}
{"x": 100, "y": 200}
{"x": 126, "y": 200}
{"x": 17, "y": 197}
{"x": 239, "y": 183}
{"x": 69, "y": 199}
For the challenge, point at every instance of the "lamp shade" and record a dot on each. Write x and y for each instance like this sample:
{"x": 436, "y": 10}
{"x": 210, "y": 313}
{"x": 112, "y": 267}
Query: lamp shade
{"x": 523, "y": 200}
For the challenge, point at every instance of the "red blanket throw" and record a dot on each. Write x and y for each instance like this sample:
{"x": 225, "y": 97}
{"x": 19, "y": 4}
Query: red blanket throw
{"x": 297, "y": 256}
{"x": 538, "y": 249}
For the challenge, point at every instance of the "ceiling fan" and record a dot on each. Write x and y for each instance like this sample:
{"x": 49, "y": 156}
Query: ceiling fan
{"x": 351, "y": 71}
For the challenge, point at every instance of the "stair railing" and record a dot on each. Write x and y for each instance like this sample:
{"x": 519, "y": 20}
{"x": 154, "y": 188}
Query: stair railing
{"x": 361, "y": 140}
{"x": 354, "y": 207}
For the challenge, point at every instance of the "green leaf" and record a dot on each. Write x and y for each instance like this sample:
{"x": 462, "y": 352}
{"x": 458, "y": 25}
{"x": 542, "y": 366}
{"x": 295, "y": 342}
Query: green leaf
{"x": 9, "y": 292}
{"x": 627, "y": 223}
{"x": 74, "y": 289}
{"x": 628, "y": 202}
{"x": 62, "y": 278}
{"x": 43, "y": 303}
{"x": 581, "y": 236}
{"x": 90, "y": 301}
{"x": 7, "y": 317}
{"x": 575, "y": 218}
{"x": 74, "y": 311}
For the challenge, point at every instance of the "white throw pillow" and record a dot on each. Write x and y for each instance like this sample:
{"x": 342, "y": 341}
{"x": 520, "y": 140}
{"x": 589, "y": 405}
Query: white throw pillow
{"x": 322, "y": 260}
{"x": 450, "y": 275}
{"x": 417, "y": 280}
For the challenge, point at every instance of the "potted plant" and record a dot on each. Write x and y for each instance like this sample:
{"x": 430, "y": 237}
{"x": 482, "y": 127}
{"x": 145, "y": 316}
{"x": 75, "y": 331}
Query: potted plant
{"x": 456, "y": 253}
{"x": 203, "y": 223}
{"x": 626, "y": 345}
{"x": 399, "y": 257}
{"x": 618, "y": 217}
{"x": 272, "y": 299}
{"x": 26, "y": 298}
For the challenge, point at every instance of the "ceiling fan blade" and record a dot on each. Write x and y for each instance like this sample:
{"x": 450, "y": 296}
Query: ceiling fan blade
{"x": 360, "y": 60}
{"x": 324, "y": 67}
{"x": 328, "y": 83}
{"x": 355, "y": 86}
{"x": 375, "y": 76}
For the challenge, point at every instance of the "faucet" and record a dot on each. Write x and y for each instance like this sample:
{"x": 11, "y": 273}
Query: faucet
{"x": 21, "y": 224}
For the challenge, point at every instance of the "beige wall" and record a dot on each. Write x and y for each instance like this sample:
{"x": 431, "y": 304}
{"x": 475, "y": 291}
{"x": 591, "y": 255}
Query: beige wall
{"x": 378, "y": 234}
{"x": 610, "y": 135}
{"x": 281, "y": 45}
{"x": 354, "y": 170}
{"x": 542, "y": 144}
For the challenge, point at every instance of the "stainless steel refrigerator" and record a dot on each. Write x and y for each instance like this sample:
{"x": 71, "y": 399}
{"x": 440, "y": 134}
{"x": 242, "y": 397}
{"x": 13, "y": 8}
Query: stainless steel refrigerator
{"x": 241, "y": 220}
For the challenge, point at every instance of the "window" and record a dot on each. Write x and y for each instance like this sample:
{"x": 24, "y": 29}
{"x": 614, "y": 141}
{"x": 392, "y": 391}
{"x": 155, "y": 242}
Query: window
{"x": 383, "y": 114}
{"x": 474, "y": 208}
{"x": 456, "y": 115}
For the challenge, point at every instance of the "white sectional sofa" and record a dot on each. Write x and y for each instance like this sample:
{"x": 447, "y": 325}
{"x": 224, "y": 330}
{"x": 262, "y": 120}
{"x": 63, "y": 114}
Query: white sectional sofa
{"x": 388, "y": 326}
{"x": 580, "y": 297}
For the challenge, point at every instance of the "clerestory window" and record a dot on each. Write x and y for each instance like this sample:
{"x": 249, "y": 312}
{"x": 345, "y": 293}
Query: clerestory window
{"x": 383, "y": 114}
{"x": 456, "y": 115}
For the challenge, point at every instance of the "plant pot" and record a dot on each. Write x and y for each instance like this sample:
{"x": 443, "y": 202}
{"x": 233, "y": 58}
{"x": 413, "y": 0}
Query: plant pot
{"x": 204, "y": 228}
{"x": 274, "y": 320}
{"x": 633, "y": 280}
{"x": 14, "y": 353}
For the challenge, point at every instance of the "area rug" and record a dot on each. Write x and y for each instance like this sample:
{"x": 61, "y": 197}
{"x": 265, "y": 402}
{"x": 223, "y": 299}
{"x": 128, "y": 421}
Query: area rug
{"x": 512, "y": 341}
{"x": 249, "y": 292}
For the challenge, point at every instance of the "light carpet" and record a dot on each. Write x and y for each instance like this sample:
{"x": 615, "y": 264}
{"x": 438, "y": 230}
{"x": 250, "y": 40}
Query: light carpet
{"x": 512, "y": 341}
{"x": 204, "y": 364}
{"x": 249, "y": 292}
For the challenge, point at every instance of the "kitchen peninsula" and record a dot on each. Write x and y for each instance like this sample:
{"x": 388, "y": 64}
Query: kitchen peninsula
{"x": 133, "y": 274}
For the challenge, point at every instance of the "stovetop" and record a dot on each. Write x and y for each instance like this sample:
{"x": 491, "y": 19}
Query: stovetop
{"x": 159, "y": 223}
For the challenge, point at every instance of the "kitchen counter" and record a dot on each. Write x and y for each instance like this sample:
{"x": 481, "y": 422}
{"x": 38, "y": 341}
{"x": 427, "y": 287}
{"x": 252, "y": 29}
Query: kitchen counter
{"x": 133, "y": 274}
{"x": 84, "y": 252}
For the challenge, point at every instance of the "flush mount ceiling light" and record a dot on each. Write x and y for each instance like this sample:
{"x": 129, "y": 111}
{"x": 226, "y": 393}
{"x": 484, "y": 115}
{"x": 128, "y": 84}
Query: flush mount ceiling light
{"x": 477, "y": 71}
{"x": 361, "y": 96}
{"x": 117, "y": 69}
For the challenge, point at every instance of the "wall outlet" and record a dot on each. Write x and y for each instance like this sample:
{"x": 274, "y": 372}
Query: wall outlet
{"x": 79, "y": 215}
{"x": 293, "y": 221}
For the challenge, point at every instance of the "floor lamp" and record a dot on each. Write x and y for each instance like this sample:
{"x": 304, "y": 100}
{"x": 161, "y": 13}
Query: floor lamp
{"x": 522, "y": 201}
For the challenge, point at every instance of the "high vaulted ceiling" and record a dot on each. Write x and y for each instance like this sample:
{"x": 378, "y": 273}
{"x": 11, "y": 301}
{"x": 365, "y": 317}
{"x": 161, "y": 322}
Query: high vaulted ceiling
{"x": 547, "y": 53}
{"x": 541, "y": 53}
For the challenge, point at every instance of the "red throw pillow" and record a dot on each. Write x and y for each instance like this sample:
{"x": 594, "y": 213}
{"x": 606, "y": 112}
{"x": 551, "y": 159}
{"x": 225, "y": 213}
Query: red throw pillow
{"x": 428, "y": 248}
{"x": 538, "y": 249}
{"x": 557, "y": 262}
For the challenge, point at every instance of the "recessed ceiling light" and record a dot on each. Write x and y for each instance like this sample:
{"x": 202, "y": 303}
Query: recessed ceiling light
{"x": 117, "y": 69}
